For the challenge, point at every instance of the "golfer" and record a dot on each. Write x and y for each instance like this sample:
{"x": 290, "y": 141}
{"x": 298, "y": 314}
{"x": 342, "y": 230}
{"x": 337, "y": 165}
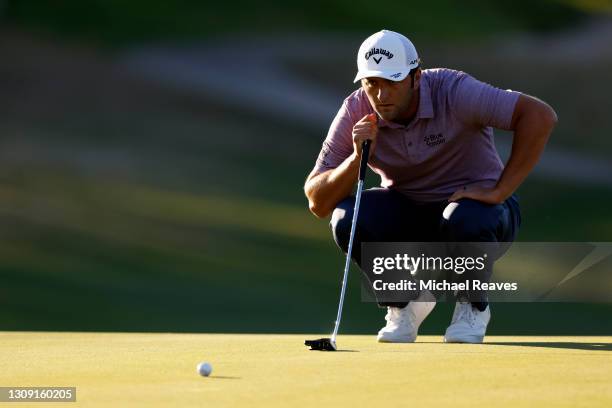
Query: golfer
{"x": 442, "y": 179}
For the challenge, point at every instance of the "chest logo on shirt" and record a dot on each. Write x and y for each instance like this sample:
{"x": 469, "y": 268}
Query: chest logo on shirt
{"x": 434, "y": 139}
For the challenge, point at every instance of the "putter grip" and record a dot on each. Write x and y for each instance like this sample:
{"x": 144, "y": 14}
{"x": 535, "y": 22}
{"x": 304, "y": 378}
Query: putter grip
{"x": 365, "y": 152}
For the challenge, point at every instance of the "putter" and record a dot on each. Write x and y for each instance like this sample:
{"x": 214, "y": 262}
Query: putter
{"x": 329, "y": 344}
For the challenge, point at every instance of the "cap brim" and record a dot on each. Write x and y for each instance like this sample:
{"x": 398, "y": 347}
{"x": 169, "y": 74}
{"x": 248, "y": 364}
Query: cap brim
{"x": 390, "y": 75}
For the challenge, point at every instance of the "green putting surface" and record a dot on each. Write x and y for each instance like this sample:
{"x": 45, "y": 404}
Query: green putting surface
{"x": 149, "y": 369}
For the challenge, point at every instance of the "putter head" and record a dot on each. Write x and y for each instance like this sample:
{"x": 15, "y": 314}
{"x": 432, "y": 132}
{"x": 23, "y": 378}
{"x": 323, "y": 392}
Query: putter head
{"x": 325, "y": 344}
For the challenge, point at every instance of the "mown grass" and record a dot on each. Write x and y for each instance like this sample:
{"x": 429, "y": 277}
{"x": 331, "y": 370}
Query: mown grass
{"x": 161, "y": 263}
{"x": 149, "y": 210}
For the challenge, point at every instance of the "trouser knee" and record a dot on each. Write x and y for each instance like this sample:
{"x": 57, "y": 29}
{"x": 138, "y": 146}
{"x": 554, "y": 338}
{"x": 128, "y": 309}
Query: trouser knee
{"x": 470, "y": 221}
{"x": 340, "y": 222}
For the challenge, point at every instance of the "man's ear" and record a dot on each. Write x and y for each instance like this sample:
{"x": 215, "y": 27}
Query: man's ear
{"x": 417, "y": 79}
{"x": 417, "y": 75}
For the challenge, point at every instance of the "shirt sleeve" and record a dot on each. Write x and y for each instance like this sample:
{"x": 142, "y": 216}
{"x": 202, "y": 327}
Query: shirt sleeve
{"x": 338, "y": 144}
{"x": 479, "y": 103}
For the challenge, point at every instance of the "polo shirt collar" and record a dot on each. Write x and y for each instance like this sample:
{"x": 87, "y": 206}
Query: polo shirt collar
{"x": 425, "y": 110}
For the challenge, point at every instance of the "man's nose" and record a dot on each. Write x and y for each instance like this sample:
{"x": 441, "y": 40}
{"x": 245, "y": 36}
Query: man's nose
{"x": 383, "y": 93}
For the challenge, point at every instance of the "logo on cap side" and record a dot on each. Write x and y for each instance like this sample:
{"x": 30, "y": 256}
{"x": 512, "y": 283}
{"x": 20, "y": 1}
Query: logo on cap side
{"x": 375, "y": 51}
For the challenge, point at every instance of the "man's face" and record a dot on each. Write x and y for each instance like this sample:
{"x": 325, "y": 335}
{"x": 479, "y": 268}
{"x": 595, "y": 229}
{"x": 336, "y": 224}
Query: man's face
{"x": 391, "y": 99}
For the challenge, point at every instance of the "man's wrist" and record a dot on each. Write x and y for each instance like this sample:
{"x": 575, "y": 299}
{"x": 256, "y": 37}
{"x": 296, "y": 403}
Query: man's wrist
{"x": 354, "y": 160}
{"x": 501, "y": 194}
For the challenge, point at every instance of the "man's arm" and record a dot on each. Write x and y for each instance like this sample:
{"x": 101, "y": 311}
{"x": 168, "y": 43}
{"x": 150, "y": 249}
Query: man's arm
{"x": 325, "y": 190}
{"x": 532, "y": 122}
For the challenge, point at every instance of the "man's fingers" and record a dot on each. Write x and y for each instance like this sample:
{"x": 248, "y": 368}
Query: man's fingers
{"x": 369, "y": 118}
{"x": 365, "y": 129}
{"x": 367, "y": 123}
{"x": 456, "y": 196}
{"x": 365, "y": 119}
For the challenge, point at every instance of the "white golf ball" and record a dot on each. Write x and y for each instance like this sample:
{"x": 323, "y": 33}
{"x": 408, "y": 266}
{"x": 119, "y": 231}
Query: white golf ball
{"x": 204, "y": 369}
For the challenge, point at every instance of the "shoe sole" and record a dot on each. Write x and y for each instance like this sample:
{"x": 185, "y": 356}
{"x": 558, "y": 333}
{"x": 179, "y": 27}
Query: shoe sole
{"x": 401, "y": 340}
{"x": 469, "y": 340}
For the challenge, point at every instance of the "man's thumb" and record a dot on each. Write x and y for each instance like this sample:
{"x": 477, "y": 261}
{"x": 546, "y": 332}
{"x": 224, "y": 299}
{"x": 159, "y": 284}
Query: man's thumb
{"x": 372, "y": 117}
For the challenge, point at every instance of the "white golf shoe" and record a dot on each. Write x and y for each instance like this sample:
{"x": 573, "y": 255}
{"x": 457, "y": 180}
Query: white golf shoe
{"x": 468, "y": 324}
{"x": 403, "y": 323}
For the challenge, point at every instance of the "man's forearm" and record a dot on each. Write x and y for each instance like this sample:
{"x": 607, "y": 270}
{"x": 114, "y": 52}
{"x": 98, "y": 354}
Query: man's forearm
{"x": 327, "y": 189}
{"x": 530, "y": 136}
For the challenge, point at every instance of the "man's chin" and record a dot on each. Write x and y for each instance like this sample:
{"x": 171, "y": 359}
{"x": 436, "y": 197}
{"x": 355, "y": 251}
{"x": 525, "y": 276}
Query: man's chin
{"x": 387, "y": 116}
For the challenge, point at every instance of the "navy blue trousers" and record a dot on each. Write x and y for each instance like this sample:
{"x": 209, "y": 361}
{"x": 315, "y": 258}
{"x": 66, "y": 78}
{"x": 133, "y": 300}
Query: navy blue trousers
{"x": 386, "y": 215}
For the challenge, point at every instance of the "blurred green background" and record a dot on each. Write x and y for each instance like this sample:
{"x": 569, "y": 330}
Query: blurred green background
{"x": 138, "y": 197}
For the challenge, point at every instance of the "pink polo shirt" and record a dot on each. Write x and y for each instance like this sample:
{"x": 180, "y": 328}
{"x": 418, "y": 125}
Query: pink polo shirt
{"x": 448, "y": 145}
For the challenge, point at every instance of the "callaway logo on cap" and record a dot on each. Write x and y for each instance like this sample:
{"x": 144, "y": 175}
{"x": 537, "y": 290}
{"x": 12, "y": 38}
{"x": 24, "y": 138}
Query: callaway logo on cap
{"x": 386, "y": 54}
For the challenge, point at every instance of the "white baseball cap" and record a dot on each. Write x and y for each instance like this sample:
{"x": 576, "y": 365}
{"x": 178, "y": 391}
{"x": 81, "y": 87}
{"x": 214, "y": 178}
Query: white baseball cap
{"x": 386, "y": 54}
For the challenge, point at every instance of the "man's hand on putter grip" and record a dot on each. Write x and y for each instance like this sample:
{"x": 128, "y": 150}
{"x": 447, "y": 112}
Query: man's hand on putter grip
{"x": 365, "y": 129}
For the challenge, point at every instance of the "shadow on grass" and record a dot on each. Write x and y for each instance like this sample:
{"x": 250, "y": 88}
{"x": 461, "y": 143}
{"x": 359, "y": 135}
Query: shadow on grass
{"x": 557, "y": 344}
